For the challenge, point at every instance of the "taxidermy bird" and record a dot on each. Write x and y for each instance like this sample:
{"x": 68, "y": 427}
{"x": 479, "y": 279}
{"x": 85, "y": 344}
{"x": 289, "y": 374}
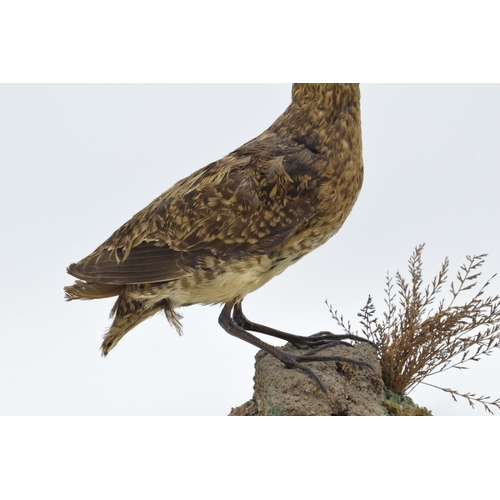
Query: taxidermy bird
{"x": 227, "y": 229}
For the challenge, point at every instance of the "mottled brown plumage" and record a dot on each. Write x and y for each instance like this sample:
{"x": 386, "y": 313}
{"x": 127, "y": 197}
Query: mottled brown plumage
{"x": 230, "y": 227}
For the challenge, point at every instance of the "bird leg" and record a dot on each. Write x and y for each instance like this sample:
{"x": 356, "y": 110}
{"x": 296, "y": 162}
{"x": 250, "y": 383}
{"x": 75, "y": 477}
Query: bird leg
{"x": 232, "y": 327}
{"x": 318, "y": 341}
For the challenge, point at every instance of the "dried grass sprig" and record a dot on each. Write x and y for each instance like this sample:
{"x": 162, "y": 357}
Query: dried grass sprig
{"x": 416, "y": 341}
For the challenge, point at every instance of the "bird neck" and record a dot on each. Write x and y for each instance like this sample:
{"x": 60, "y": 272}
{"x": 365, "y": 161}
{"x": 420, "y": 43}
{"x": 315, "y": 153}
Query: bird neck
{"x": 331, "y": 97}
{"x": 314, "y": 110}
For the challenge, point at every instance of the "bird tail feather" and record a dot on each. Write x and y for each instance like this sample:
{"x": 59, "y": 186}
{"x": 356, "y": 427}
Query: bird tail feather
{"x": 128, "y": 313}
{"x": 88, "y": 291}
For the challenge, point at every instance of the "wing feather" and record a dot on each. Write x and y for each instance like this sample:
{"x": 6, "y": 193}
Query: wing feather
{"x": 249, "y": 202}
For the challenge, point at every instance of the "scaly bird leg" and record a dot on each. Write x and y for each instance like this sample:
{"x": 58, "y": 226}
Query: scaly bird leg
{"x": 318, "y": 341}
{"x": 289, "y": 360}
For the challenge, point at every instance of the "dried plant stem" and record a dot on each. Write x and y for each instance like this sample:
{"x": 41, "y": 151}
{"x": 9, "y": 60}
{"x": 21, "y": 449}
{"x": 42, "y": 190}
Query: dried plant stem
{"x": 416, "y": 341}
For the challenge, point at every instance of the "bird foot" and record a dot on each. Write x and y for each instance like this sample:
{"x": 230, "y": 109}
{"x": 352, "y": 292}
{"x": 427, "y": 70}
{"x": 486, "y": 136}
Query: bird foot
{"x": 327, "y": 339}
{"x": 239, "y": 326}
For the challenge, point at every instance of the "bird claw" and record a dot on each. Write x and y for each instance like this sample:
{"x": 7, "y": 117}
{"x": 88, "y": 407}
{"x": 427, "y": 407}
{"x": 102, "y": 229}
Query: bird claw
{"x": 327, "y": 339}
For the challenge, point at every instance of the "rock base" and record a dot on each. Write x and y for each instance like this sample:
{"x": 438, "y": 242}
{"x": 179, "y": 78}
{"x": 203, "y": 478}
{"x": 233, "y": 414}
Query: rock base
{"x": 351, "y": 390}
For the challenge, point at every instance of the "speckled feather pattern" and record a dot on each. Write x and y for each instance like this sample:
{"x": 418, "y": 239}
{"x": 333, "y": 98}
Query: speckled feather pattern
{"x": 230, "y": 227}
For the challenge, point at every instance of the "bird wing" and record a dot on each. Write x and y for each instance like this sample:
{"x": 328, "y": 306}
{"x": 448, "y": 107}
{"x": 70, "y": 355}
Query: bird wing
{"x": 249, "y": 202}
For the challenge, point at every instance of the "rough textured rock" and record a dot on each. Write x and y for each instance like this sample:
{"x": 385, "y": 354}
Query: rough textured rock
{"x": 351, "y": 390}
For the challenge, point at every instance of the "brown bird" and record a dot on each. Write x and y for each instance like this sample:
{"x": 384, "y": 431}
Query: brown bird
{"x": 227, "y": 229}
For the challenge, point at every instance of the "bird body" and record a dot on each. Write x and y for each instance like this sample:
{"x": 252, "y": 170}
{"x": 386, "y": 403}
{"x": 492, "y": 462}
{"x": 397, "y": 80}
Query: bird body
{"x": 227, "y": 229}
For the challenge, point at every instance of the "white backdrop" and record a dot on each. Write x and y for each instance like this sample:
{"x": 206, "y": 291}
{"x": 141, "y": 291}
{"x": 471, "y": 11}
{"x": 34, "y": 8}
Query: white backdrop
{"x": 79, "y": 160}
